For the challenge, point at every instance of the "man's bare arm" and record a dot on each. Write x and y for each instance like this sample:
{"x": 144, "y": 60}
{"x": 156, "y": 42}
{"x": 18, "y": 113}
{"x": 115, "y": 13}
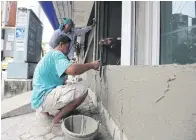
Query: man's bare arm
{"x": 77, "y": 69}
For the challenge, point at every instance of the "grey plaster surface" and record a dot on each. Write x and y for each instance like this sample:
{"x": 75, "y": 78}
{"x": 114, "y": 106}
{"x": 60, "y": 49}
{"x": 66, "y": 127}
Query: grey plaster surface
{"x": 149, "y": 102}
{"x": 32, "y": 127}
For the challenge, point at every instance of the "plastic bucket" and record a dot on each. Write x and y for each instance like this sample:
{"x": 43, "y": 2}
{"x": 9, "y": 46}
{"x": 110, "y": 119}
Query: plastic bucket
{"x": 79, "y": 127}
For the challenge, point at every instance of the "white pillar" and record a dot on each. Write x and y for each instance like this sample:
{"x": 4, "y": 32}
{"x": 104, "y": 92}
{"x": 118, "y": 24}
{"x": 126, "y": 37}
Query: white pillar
{"x": 156, "y": 33}
{"x": 128, "y": 33}
{"x": 147, "y": 32}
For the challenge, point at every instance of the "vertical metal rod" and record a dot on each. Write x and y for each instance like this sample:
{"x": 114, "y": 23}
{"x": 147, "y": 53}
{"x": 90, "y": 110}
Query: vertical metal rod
{"x": 95, "y": 32}
{"x": 98, "y": 25}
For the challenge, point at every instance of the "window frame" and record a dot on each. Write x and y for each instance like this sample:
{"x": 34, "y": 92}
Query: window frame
{"x": 148, "y": 52}
{"x": 128, "y": 38}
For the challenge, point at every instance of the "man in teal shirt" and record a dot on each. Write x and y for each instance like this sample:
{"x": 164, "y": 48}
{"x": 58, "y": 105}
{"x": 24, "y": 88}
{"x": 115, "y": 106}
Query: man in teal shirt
{"x": 49, "y": 91}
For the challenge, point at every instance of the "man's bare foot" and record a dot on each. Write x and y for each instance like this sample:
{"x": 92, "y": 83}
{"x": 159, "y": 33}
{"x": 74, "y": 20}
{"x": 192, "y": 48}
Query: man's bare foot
{"x": 46, "y": 115}
{"x": 55, "y": 121}
{"x": 56, "y": 124}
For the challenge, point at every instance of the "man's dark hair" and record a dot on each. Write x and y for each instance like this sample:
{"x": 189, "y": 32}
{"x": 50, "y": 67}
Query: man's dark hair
{"x": 62, "y": 39}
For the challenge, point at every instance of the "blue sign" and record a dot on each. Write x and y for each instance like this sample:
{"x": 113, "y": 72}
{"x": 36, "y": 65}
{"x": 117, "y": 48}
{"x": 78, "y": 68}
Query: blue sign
{"x": 20, "y": 32}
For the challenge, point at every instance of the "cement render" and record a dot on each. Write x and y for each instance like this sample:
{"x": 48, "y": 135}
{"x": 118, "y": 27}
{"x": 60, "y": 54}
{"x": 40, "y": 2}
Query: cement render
{"x": 149, "y": 102}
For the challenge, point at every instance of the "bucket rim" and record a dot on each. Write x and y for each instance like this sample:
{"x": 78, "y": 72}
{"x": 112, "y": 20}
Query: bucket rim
{"x": 65, "y": 130}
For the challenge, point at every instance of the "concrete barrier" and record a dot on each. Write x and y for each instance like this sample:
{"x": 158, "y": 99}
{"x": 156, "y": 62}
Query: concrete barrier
{"x": 17, "y": 105}
{"x": 13, "y": 87}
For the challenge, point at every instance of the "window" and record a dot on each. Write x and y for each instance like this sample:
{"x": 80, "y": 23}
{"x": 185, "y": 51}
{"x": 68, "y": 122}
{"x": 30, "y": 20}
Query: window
{"x": 109, "y": 25}
{"x": 178, "y": 32}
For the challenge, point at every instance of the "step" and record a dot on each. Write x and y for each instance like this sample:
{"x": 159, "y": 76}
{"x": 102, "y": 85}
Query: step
{"x": 17, "y": 105}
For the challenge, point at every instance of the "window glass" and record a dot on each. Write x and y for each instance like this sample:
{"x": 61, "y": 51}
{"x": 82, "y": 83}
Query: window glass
{"x": 178, "y": 32}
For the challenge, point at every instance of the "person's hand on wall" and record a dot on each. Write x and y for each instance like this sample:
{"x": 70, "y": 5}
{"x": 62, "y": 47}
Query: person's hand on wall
{"x": 96, "y": 65}
{"x": 106, "y": 41}
{"x": 109, "y": 42}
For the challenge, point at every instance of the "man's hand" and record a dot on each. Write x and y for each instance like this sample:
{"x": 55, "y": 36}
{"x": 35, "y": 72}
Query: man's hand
{"x": 110, "y": 42}
{"x": 106, "y": 41}
{"x": 96, "y": 65}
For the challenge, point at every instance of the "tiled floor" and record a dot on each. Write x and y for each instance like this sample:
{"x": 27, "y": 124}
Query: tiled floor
{"x": 31, "y": 127}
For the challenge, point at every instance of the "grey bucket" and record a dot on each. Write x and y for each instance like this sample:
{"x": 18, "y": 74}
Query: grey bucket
{"x": 79, "y": 127}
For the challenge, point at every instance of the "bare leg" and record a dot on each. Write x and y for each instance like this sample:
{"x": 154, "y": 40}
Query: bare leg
{"x": 68, "y": 108}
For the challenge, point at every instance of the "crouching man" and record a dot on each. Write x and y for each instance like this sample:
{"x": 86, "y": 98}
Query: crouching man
{"x": 49, "y": 91}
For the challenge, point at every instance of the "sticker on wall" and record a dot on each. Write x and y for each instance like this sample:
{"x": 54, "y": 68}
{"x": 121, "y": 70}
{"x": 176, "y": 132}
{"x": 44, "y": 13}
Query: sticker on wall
{"x": 22, "y": 18}
{"x": 20, "y": 33}
{"x": 10, "y": 37}
{"x": 20, "y": 46}
{"x": 8, "y": 46}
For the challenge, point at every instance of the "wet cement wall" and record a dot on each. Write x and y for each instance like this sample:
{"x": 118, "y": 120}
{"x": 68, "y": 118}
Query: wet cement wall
{"x": 149, "y": 102}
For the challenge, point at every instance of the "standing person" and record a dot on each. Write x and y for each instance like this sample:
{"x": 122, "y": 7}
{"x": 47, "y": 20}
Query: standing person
{"x": 49, "y": 91}
{"x": 67, "y": 28}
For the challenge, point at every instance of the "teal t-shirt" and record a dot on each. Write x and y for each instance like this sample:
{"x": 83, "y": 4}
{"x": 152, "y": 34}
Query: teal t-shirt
{"x": 48, "y": 74}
